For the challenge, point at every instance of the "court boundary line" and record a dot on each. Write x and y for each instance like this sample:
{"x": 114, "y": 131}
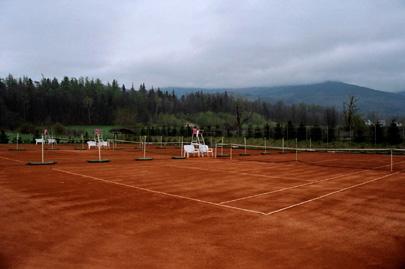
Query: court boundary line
{"x": 289, "y": 188}
{"x": 304, "y": 184}
{"x": 158, "y": 192}
{"x": 329, "y": 194}
{"x": 9, "y": 159}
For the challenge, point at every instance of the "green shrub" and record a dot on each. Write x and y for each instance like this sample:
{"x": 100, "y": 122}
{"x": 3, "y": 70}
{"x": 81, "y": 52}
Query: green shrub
{"x": 3, "y": 137}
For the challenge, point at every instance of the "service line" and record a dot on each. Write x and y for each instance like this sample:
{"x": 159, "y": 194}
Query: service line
{"x": 158, "y": 192}
{"x": 329, "y": 194}
{"x": 289, "y": 188}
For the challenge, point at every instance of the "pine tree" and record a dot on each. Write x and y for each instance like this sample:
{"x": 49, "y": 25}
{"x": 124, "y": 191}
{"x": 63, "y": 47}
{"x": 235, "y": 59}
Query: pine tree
{"x": 3, "y": 137}
{"x": 301, "y": 132}
{"x": 393, "y": 134}
{"x": 266, "y": 131}
{"x": 278, "y": 132}
{"x": 316, "y": 133}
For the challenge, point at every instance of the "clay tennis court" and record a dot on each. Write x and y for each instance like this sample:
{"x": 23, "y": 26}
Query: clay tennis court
{"x": 258, "y": 211}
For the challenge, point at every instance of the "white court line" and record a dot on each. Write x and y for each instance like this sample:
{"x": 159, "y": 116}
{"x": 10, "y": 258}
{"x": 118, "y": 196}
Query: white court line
{"x": 329, "y": 194}
{"x": 301, "y": 185}
{"x": 393, "y": 164}
{"x": 289, "y": 188}
{"x": 159, "y": 192}
{"x": 14, "y": 160}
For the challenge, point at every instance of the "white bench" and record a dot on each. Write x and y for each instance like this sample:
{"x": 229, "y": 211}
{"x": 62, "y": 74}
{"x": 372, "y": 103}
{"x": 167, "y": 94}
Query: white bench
{"x": 204, "y": 149}
{"x": 39, "y": 141}
{"x": 91, "y": 144}
{"x": 190, "y": 149}
{"x": 104, "y": 144}
{"x": 51, "y": 141}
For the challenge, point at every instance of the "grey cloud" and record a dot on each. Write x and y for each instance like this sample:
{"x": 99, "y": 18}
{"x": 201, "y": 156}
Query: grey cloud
{"x": 207, "y": 43}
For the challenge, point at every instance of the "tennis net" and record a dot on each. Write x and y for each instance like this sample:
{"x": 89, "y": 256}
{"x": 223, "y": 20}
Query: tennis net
{"x": 364, "y": 158}
{"x": 151, "y": 148}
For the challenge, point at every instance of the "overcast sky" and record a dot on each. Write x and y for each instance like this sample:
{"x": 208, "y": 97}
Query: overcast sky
{"x": 207, "y": 43}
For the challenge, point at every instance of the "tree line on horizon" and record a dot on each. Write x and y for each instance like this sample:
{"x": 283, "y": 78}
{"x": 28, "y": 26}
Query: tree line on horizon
{"x": 84, "y": 101}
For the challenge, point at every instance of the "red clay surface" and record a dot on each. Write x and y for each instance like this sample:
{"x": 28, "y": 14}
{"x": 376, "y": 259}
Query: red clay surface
{"x": 258, "y": 211}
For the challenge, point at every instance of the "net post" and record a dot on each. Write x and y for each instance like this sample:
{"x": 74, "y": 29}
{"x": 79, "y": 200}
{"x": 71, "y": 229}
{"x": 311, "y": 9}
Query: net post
{"x": 265, "y": 145}
{"x": 99, "y": 147}
{"x": 296, "y": 149}
{"x": 52, "y": 140}
{"x": 282, "y": 143}
{"x": 222, "y": 146}
{"x": 245, "y": 143}
{"x": 181, "y": 147}
{"x": 391, "y": 164}
{"x": 230, "y": 152}
{"x": 144, "y": 146}
{"x": 216, "y": 149}
{"x": 42, "y": 149}
{"x": 17, "y": 141}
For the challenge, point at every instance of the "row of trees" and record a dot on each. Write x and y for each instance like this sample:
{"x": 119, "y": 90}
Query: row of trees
{"x": 83, "y": 101}
{"x": 372, "y": 135}
{"x": 86, "y": 101}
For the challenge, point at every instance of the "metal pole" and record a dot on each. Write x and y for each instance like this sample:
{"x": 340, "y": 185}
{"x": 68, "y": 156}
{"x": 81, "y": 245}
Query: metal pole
{"x": 52, "y": 138}
{"x": 42, "y": 149}
{"x": 230, "y": 152}
{"x": 245, "y": 143}
{"x": 265, "y": 146}
{"x": 282, "y": 143}
{"x": 222, "y": 146}
{"x": 296, "y": 149}
{"x": 17, "y": 140}
{"x": 306, "y": 136}
{"x": 99, "y": 147}
{"x": 144, "y": 147}
{"x": 375, "y": 134}
{"x": 181, "y": 146}
{"x": 391, "y": 160}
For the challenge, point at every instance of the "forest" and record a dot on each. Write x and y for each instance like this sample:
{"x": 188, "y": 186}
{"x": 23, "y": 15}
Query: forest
{"x": 27, "y": 104}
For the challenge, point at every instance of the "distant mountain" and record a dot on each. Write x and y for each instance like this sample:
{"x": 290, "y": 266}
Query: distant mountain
{"x": 401, "y": 93}
{"x": 326, "y": 94}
